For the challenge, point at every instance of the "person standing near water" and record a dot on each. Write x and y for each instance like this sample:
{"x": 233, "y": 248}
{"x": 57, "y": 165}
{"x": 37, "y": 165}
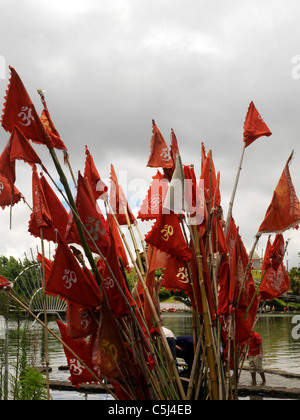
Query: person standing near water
{"x": 255, "y": 356}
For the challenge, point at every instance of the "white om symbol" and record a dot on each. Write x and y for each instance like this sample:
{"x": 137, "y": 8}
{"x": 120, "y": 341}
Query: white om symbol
{"x": 26, "y": 116}
{"x": 165, "y": 155}
{"x": 183, "y": 274}
{"x": 1, "y": 187}
{"x": 69, "y": 279}
{"x": 167, "y": 231}
{"x": 108, "y": 283}
{"x": 76, "y": 367}
{"x": 95, "y": 227}
{"x": 84, "y": 319}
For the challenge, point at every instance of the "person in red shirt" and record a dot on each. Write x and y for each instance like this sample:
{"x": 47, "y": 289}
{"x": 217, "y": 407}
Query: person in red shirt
{"x": 255, "y": 356}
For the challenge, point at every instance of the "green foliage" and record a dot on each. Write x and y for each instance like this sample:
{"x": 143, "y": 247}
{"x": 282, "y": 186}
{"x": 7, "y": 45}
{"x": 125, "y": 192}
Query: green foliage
{"x": 32, "y": 385}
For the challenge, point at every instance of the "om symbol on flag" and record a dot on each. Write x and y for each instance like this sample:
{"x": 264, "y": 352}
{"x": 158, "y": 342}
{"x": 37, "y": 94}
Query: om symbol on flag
{"x": 76, "y": 367}
{"x": 110, "y": 352}
{"x": 26, "y": 116}
{"x": 183, "y": 275}
{"x": 69, "y": 279}
{"x": 167, "y": 231}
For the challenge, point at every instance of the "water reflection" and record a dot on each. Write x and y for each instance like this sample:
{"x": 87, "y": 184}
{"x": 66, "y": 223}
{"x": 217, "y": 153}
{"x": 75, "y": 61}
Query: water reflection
{"x": 281, "y": 350}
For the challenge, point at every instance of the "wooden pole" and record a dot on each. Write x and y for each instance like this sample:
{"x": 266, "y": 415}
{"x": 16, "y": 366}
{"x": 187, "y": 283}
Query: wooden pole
{"x": 206, "y": 320}
{"x": 45, "y": 314}
{"x": 234, "y": 189}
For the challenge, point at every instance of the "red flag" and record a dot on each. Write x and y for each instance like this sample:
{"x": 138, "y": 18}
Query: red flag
{"x": 157, "y": 259}
{"x": 160, "y": 155}
{"x": 49, "y": 126}
{"x": 284, "y": 210}
{"x": 81, "y": 322}
{"x": 5, "y": 284}
{"x": 110, "y": 354}
{"x": 254, "y": 126}
{"x": 91, "y": 173}
{"x": 121, "y": 253}
{"x": 41, "y": 213}
{"x": 79, "y": 374}
{"x": 153, "y": 202}
{"x": 174, "y": 148}
{"x": 9, "y": 195}
{"x": 118, "y": 200}
{"x": 208, "y": 174}
{"x": 176, "y": 276}
{"x": 118, "y": 300}
{"x": 92, "y": 218}
{"x": 57, "y": 211}
{"x": 275, "y": 280}
{"x": 68, "y": 280}
{"x": 166, "y": 234}
{"x": 20, "y": 111}
{"x": 48, "y": 265}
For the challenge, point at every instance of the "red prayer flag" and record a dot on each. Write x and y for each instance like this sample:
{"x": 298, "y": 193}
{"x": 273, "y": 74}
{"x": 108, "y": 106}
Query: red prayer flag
{"x": 174, "y": 148}
{"x": 81, "y": 322}
{"x": 48, "y": 265}
{"x": 17, "y": 147}
{"x": 160, "y": 155}
{"x": 254, "y": 126}
{"x": 79, "y": 374}
{"x": 118, "y": 201}
{"x": 275, "y": 280}
{"x": 9, "y": 195}
{"x": 49, "y": 126}
{"x": 40, "y": 207}
{"x": 176, "y": 276}
{"x": 57, "y": 211}
{"x": 92, "y": 218}
{"x": 5, "y": 284}
{"x": 166, "y": 234}
{"x": 68, "y": 280}
{"x": 121, "y": 253}
{"x": 90, "y": 172}
{"x": 19, "y": 111}
{"x": 110, "y": 354}
{"x": 153, "y": 202}
{"x": 284, "y": 210}
{"x": 118, "y": 300}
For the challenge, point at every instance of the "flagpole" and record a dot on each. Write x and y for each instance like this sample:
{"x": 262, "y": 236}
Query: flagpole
{"x": 45, "y": 314}
{"x": 235, "y": 188}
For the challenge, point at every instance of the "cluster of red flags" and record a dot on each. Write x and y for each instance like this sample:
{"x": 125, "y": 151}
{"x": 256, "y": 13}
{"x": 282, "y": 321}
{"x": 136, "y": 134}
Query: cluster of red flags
{"x": 94, "y": 311}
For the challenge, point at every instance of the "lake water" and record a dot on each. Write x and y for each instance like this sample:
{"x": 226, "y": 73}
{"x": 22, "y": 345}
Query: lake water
{"x": 280, "y": 343}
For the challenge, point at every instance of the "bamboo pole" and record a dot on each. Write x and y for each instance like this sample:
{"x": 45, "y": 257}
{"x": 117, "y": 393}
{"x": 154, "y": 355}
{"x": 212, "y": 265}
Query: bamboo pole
{"x": 153, "y": 310}
{"x": 207, "y": 330}
{"x": 45, "y": 314}
{"x": 247, "y": 268}
{"x": 234, "y": 189}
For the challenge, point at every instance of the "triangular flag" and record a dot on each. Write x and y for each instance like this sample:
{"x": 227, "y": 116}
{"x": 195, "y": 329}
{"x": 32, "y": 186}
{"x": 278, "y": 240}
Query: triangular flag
{"x": 91, "y": 173}
{"x": 254, "y": 126}
{"x": 68, "y": 280}
{"x": 284, "y": 210}
{"x": 20, "y": 111}
{"x": 59, "y": 215}
{"x": 92, "y": 218}
{"x": 160, "y": 155}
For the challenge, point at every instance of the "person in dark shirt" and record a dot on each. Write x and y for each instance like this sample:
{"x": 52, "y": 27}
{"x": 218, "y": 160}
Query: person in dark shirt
{"x": 185, "y": 350}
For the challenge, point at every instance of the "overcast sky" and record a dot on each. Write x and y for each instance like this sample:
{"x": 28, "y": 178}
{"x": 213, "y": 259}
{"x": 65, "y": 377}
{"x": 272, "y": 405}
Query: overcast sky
{"x": 110, "y": 67}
